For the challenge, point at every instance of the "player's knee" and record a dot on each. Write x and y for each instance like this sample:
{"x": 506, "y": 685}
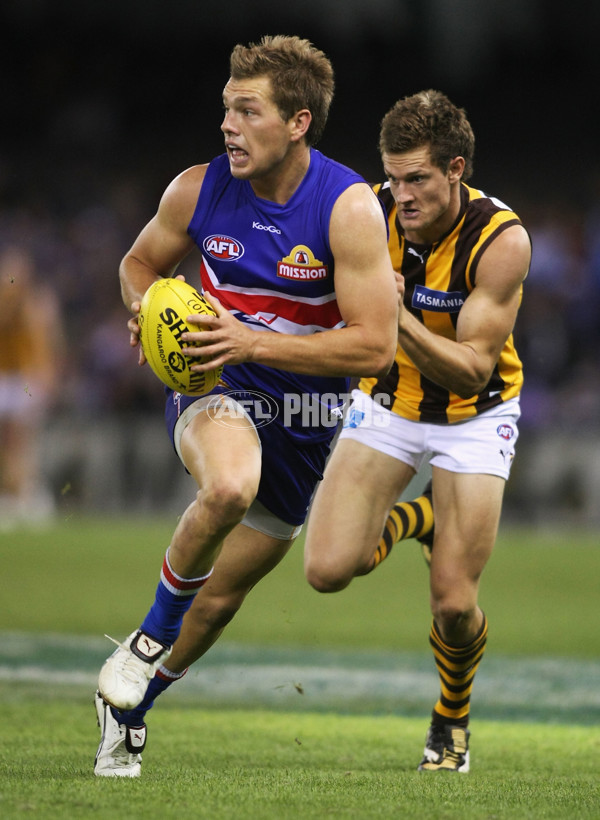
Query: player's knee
{"x": 327, "y": 576}
{"x": 227, "y": 499}
{"x": 450, "y": 613}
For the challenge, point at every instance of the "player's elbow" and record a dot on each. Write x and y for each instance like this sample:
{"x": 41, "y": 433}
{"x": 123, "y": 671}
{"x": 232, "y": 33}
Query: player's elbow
{"x": 381, "y": 357}
{"x": 369, "y": 351}
{"x": 385, "y": 365}
{"x": 471, "y": 384}
{"x": 466, "y": 390}
{"x": 377, "y": 367}
{"x": 472, "y": 374}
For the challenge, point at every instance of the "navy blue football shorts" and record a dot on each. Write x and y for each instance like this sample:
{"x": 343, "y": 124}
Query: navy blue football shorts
{"x": 290, "y": 469}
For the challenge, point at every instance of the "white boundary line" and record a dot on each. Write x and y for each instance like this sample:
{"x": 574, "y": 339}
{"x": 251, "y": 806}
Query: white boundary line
{"x": 558, "y": 688}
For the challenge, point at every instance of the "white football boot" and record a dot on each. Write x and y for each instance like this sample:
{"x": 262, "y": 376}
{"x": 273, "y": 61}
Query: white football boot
{"x": 125, "y": 676}
{"x": 119, "y": 752}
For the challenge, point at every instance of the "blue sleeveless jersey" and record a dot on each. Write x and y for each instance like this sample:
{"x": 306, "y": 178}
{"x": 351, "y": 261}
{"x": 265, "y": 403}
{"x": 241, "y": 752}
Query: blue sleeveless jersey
{"x": 271, "y": 266}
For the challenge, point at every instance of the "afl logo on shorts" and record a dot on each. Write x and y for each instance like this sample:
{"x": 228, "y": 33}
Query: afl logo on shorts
{"x": 505, "y": 431}
{"x": 224, "y": 248}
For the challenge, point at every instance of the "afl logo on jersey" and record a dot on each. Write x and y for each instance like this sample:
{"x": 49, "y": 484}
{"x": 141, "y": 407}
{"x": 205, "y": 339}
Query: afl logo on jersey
{"x": 223, "y": 247}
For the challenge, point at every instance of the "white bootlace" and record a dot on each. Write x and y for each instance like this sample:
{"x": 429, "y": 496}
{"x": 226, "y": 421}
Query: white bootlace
{"x": 130, "y": 663}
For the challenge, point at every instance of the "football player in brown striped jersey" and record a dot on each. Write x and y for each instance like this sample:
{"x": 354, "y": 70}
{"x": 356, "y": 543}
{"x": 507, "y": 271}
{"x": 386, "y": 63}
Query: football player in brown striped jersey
{"x": 451, "y": 398}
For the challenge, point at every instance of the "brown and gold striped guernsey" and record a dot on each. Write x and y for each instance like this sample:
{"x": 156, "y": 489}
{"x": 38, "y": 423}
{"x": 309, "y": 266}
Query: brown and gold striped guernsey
{"x": 438, "y": 278}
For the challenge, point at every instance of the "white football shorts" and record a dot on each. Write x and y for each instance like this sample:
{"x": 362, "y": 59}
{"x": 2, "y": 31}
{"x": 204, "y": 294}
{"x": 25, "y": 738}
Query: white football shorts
{"x": 482, "y": 444}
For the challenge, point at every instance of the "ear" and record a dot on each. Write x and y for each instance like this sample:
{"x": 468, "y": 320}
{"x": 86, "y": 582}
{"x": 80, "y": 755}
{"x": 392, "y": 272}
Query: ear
{"x": 456, "y": 169}
{"x": 299, "y": 124}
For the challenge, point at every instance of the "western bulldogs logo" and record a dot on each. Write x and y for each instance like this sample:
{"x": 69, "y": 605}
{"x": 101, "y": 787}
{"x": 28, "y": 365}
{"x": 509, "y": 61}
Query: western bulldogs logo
{"x": 505, "y": 431}
{"x": 224, "y": 248}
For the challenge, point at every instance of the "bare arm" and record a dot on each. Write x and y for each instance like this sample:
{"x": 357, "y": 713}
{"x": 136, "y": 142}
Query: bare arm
{"x": 162, "y": 244}
{"x": 485, "y": 321}
{"x": 366, "y": 296}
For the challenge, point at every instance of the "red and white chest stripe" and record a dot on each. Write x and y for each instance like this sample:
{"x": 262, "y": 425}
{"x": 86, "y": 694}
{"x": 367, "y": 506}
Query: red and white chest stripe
{"x": 284, "y": 313}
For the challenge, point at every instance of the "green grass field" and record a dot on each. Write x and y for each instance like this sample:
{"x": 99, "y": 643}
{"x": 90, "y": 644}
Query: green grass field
{"x": 261, "y": 764}
{"x": 310, "y": 706}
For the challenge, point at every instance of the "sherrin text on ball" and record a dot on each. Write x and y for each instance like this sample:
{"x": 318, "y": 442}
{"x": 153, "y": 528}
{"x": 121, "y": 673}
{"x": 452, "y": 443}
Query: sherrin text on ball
{"x": 164, "y": 309}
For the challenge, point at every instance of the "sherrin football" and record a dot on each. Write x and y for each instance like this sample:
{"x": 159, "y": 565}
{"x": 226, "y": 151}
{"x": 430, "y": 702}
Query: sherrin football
{"x": 162, "y": 320}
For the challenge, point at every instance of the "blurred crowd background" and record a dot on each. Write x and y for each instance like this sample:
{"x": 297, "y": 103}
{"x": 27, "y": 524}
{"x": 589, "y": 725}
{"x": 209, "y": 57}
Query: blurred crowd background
{"x": 103, "y": 103}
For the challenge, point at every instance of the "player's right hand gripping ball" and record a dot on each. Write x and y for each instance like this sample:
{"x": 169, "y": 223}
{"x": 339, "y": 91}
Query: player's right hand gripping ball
{"x": 162, "y": 320}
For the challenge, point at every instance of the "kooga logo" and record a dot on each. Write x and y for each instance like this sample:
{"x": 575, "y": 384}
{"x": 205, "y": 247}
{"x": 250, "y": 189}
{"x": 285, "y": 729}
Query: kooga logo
{"x": 271, "y": 228}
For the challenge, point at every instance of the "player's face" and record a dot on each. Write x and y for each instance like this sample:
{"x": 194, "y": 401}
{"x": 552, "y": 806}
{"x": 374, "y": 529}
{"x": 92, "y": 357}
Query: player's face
{"x": 427, "y": 199}
{"x": 257, "y": 139}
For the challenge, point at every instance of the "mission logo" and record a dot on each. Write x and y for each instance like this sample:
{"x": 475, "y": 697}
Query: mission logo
{"x": 301, "y": 264}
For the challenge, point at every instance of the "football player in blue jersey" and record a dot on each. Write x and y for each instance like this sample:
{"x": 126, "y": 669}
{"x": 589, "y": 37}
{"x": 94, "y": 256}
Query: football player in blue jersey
{"x": 277, "y": 224}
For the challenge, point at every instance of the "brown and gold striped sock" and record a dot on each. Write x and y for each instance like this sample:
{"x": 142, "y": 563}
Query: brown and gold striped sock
{"x": 407, "y": 519}
{"x": 456, "y": 666}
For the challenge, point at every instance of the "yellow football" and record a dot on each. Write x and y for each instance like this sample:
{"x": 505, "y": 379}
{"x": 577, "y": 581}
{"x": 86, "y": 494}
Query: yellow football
{"x": 165, "y": 306}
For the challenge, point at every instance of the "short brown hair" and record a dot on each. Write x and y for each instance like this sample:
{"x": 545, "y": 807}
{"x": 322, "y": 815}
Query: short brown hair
{"x": 301, "y": 76}
{"x": 429, "y": 118}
